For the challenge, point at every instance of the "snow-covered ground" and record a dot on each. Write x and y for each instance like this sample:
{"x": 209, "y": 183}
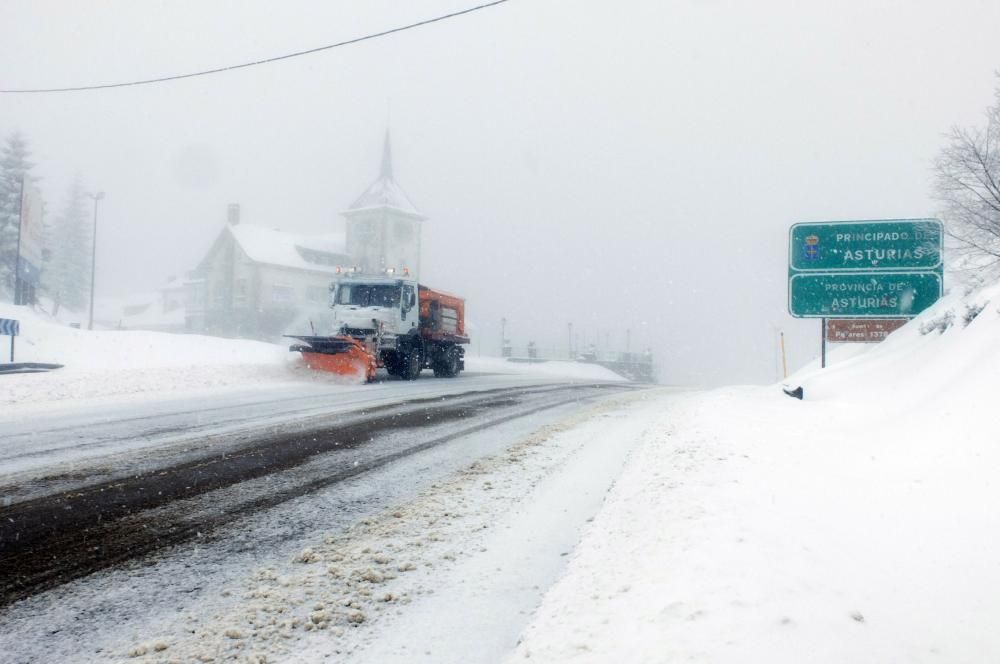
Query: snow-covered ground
{"x": 741, "y": 525}
{"x": 857, "y": 525}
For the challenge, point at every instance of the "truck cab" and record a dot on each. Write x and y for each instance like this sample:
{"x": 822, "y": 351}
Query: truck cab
{"x": 382, "y": 307}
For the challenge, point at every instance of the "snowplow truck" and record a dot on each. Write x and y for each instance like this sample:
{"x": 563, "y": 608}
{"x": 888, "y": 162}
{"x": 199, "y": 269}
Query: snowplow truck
{"x": 391, "y": 322}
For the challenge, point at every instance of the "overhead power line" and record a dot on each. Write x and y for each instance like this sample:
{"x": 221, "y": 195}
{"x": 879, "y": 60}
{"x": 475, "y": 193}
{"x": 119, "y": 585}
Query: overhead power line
{"x": 244, "y": 65}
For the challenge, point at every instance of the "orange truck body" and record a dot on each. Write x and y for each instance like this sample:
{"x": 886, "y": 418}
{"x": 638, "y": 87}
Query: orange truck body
{"x": 442, "y": 316}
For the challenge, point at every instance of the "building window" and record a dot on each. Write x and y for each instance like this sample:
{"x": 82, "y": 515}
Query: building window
{"x": 240, "y": 293}
{"x": 194, "y": 296}
{"x": 316, "y": 293}
{"x": 282, "y": 294}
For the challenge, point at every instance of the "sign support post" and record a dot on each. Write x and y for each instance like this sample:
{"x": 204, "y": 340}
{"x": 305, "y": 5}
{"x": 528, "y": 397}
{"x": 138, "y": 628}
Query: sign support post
{"x": 11, "y": 328}
{"x": 822, "y": 345}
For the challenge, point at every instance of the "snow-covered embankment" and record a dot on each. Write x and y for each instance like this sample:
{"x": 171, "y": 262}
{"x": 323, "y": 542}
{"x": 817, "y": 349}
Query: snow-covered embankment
{"x": 112, "y": 363}
{"x": 858, "y": 525}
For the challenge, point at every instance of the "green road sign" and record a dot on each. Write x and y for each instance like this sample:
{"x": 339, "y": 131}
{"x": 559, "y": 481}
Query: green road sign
{"x": 863, "y": 246}
{"x": 862, "y": 295}
{"x": 887, "y": 268}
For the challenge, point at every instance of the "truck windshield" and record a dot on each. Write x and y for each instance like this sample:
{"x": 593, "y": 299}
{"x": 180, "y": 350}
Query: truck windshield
{"x": 368, "y": 295}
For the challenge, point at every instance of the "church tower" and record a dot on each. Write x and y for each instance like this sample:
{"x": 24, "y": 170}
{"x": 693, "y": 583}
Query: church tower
{"x": 383, "y": 226}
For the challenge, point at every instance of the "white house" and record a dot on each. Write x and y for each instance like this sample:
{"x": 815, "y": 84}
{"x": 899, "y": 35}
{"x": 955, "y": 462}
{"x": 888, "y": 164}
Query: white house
{"x": 258, "y": 282}
{"x": 261, "y": 283}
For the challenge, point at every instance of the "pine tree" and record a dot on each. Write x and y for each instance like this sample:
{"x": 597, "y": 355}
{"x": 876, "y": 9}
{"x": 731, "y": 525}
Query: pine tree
{"x": 67, "y": 275}
{"x": 14, "y": 167}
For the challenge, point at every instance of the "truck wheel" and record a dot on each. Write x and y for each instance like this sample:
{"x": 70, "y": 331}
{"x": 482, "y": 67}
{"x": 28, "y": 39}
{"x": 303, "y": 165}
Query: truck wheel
{"x": 447, "y": 366}
{"x": 392, "y": 364}
{"x": 412, "y": 364}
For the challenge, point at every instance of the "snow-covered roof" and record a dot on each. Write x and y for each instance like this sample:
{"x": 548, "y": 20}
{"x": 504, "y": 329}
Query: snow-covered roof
{"x": 384, "y": 191}
{"x": 318, "y": 253}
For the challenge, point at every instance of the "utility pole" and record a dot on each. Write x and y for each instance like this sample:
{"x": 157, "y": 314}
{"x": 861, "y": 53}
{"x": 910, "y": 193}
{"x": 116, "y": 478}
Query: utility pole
{"x": 569, "y": 327}
{"x": 503, "y": 336}
{"x": 93, "y": 258}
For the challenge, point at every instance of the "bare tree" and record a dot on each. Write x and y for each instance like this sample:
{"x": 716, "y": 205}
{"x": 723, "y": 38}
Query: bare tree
{"x": 967, "y": 182}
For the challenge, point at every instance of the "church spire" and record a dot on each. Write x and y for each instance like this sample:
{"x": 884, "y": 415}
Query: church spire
{"x": 386, "y": 171}
{"x": 384, "y": 191}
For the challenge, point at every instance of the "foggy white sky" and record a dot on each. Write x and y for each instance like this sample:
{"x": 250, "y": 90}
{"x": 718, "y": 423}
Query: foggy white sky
{"x": 614, "y": 164}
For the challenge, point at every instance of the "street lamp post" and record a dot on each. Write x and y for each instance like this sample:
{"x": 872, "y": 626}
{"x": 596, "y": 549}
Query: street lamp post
{"x": 93, "y": 259}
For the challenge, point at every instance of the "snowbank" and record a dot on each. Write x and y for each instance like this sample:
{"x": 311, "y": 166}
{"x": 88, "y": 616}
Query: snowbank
{"x": 111, "y": 363}
{"x": 951, "y": 352}
{"x": 44, "y": 341}
{"x": 857, "y": 525}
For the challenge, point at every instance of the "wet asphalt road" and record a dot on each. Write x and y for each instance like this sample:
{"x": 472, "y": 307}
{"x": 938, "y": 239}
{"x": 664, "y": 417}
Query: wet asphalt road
{"x": 95, "y": 517}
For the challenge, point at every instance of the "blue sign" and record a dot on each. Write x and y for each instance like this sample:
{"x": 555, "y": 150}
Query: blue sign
{"x": 28, "y": 273}
{"x": 9, "y": 327}
{"x": 31, "y": 235}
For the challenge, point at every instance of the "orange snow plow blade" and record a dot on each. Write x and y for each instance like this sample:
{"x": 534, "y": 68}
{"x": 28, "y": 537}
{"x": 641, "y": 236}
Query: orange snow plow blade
{"x": 344, "y": 356}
